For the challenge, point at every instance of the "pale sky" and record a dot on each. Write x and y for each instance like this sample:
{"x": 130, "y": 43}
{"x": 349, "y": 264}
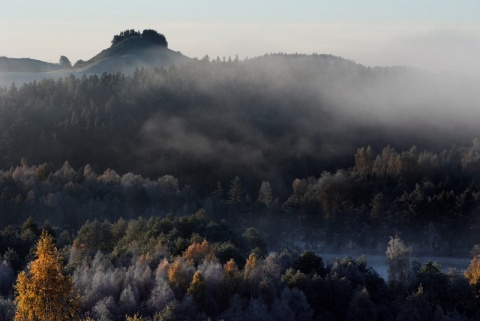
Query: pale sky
{"x": 434, "y": 35}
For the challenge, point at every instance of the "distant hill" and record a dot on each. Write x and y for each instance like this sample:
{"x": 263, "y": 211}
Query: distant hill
{"x": 130, "y": 54}
{"x": 26, "y": 65}
{"x": 125, "y": 56}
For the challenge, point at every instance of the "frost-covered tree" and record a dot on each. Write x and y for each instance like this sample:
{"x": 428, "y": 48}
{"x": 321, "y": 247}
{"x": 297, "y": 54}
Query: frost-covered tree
{"x": 398, "y": 260}
{"x": 160, "y": 296}
{"x": 128, "y": 301}
{"x": 105, "y": 309}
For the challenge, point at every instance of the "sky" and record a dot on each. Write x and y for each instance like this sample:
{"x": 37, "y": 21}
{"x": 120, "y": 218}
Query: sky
{"x": 441, "y": 35}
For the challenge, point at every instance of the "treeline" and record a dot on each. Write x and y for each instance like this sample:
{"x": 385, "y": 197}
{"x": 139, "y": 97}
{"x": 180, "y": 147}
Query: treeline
{"x": 68, "y": 198}
{"x": 431, "y": 200}
{"x": 192, "y": 268}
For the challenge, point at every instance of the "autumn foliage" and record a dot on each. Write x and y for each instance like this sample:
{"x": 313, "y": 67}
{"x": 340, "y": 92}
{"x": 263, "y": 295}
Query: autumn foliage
{"x": 473, "y": 271}
{"x": 198, "y": 252}
{"x": 44, "y": 293}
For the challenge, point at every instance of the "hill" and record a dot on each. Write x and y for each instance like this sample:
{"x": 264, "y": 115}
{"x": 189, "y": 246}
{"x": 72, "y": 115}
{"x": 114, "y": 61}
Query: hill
{"x": 124, "y": 56}
{"x": 130, "y": 54}
{"x": 25, "y": 65}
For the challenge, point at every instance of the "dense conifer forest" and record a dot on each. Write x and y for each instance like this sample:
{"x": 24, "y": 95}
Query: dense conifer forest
{"x": 211, "y": 189}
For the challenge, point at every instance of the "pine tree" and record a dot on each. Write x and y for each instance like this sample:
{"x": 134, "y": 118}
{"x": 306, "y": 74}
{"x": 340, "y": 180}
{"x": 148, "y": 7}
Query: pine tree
{"x": 43, "y": 293}
{"x": 265, "y": 194}
{"x": 237, "y": 192}
{"x": 218, "y": 192}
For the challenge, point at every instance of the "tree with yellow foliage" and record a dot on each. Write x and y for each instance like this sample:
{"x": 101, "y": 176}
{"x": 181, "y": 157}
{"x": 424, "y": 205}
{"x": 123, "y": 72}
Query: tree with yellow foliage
{"x": 472, "y": 274}
{"x": 180, "y": 274}
{"x": 198, "y": 252}
{"x": 251, "y": 274}
{"x": 231, "y": 274}
{"x": 44, "y": 293}
{"x": 473, "y": 271}
{"x": 136, "y": 317}
{"x": 231, "y": 282}
{"x": 198, "y": 290}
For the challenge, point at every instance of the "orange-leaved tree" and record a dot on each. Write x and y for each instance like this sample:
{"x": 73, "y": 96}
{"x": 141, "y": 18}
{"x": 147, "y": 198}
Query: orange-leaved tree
{"x": 44, "y": 293}
{"x": 199, "y": 252}
{"x": 473, "y": 271}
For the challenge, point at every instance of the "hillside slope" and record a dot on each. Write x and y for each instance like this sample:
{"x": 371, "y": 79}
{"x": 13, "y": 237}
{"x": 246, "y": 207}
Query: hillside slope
{"x": 130, "y": 54}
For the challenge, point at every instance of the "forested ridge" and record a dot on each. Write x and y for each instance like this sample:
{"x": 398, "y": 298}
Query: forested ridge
{"x": 211, "y": 188}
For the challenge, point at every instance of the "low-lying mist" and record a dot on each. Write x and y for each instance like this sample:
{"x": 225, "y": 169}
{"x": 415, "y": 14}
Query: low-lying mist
{"x": 274, "y": 118}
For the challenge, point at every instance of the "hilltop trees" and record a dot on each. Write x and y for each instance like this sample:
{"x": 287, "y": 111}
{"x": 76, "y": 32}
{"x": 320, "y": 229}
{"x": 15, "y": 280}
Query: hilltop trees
{"x": 64, "y": 62}
{"x": 148, "y": 34}
{"x": 124, "y": 35}
{"x": 155, "y": 37}
{"x": 44, "y": 293}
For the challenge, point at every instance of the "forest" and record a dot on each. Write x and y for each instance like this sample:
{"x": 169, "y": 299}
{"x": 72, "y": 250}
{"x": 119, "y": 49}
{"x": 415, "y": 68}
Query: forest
{"x": 211, "y": 190}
